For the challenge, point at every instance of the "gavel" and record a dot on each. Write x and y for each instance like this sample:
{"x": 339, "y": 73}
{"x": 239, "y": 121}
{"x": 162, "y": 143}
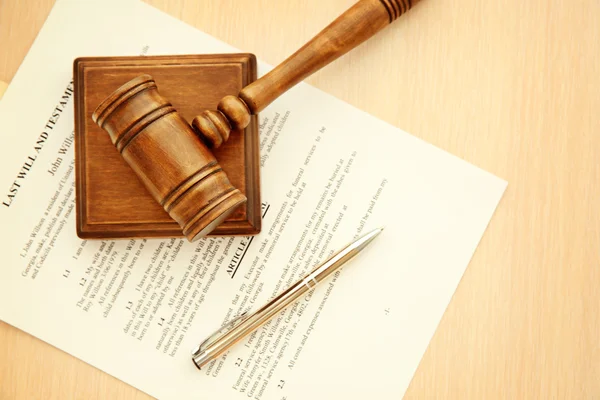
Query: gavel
{"x": 174, "y": 160}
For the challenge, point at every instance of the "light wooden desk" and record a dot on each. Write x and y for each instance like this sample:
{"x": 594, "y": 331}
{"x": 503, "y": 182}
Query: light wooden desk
{"x": 513, "y": 87}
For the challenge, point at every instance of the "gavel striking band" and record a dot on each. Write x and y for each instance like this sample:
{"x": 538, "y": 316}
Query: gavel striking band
{"x": 173, "y": 160}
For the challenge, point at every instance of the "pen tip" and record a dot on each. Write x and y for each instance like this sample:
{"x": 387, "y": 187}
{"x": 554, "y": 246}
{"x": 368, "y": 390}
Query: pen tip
{"x": 377, "y": 231}
{"x": 368, "y": 238}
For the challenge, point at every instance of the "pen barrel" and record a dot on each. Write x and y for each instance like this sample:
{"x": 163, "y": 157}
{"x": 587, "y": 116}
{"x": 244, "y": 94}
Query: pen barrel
{"x": 251, "y": 323}
{"x": 273, "y": 307}
{"x": 210, "y": 350}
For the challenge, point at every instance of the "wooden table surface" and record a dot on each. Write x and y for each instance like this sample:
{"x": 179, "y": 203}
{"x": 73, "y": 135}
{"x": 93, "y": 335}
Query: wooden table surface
{"x": 512, "y": 87}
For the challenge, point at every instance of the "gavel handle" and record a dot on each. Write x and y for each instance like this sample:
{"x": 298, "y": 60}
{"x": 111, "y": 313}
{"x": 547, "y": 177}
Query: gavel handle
{"x": 357, "y": 24}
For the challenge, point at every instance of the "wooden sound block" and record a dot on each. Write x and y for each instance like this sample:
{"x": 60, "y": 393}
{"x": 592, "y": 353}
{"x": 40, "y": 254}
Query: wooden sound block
{"x": 112, "y": 202}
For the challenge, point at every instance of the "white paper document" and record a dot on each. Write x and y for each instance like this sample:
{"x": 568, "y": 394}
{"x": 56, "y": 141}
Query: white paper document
{"x": 137, "y": 308}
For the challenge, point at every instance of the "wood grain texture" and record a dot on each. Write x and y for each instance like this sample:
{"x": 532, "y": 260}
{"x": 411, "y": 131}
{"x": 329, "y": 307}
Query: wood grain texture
{"x": 173, "y": 183}
{"x": 512, "y": 88}
{"x": 3, "y": 86}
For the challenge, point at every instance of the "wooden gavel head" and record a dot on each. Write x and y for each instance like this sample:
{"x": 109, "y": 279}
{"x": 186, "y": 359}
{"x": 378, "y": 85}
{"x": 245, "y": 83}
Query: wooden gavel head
{"x": 176, "y": 167}
{"x": 173, "y": 160}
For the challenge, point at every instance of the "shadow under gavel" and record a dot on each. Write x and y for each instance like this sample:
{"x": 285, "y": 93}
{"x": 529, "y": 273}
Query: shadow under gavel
{"x": 174, "y": 160}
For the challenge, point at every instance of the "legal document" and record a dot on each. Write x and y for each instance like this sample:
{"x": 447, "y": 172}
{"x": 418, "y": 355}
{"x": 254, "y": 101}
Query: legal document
{"x": 136, "y": 308}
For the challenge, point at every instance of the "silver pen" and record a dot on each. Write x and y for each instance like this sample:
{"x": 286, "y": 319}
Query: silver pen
{"x": 235, "y": 330}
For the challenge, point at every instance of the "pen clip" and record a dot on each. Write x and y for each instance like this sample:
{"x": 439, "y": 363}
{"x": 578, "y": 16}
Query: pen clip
{"x": 228, "y": 326}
